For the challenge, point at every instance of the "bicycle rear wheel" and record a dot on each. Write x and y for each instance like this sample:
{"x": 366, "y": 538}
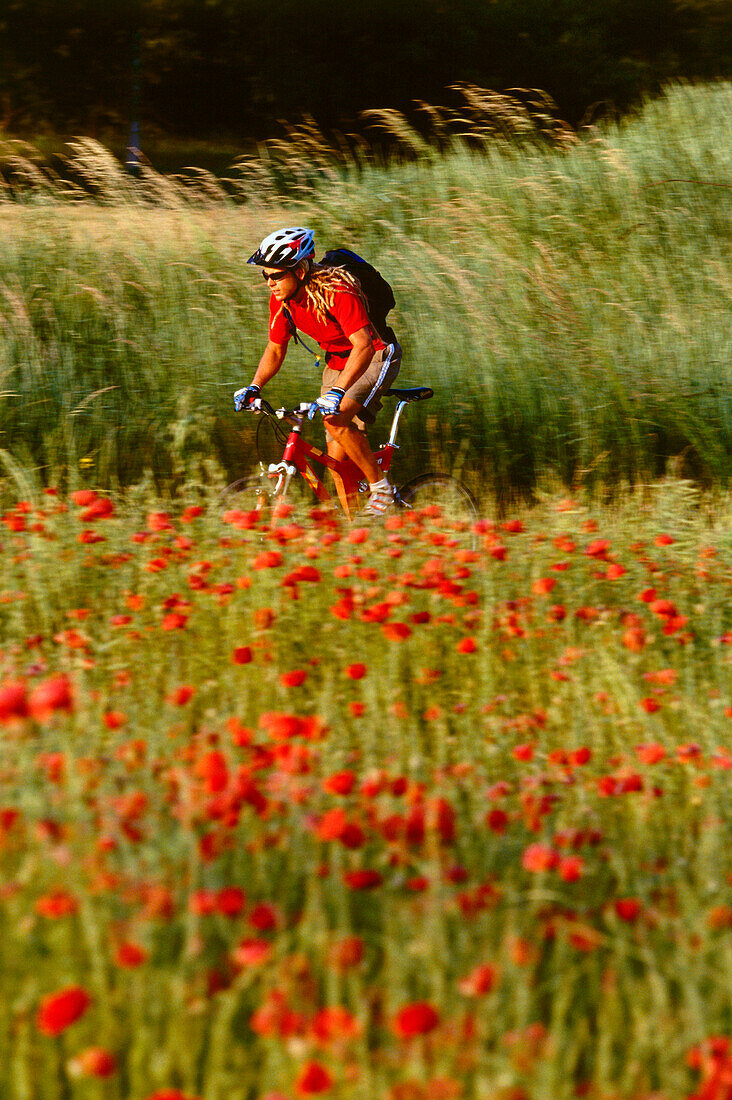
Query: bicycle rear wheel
{"x": 443, "y": 507}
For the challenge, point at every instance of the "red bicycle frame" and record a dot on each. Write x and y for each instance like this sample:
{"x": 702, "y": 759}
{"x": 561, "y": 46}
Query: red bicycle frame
{"x": 298, "y": 455}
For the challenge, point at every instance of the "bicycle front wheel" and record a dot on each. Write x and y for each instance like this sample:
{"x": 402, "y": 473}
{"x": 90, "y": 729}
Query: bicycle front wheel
{"x": 443, "y": 507}
{"x": 248, "y": 494}
{"x": 264, "y": 509}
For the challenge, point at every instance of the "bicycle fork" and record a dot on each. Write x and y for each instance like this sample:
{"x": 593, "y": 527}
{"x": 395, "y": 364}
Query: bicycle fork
{"x": 284, "y": 472}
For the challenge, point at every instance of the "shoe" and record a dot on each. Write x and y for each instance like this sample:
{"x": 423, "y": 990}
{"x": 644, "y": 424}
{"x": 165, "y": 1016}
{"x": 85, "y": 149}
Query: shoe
{"x": 379, "y": 501}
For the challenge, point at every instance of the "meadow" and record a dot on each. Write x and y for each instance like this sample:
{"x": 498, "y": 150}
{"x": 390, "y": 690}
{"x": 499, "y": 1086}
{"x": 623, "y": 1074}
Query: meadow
{"x": 407, "y": 811}
{"x": 566, "y": 295}
{"x": 356, "y": 812}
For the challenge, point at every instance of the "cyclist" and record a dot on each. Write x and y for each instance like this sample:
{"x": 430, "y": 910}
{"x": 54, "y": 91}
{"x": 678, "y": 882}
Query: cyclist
{"x": 327, "y": 304}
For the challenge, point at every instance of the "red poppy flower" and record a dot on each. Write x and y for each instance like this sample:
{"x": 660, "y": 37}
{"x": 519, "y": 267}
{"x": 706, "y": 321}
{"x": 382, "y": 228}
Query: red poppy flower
{"x": 523, "y": 953}
{"x": 539, "y": 857}
{"x": 114, "y": 719}
{"x": 663, "y": 676}
{"x": 13, "y": 700}
{"x": 497, "y": 821}
{"x": 52, "y": 695}
{"x": 523, "y": 752}
{"x": 171, "y": 1094}
{"x": 362, "y": 880}
{"x": 295, "y": 678}
{"x": 331, "y": 824}
{"x": 543, "y": 586}
{"x": 396, "y": 632}
{"x": 343, "y": 609}
{"x": 181, "y": 695}
{"x": 83, "y": 497}
{"x": 418, "y": 883}
{"x": 55, "y": 905}
{"x": 340, "y": 782}
{"x": 268, "y": 559}
{"x": 479, "y": 981}
{"x": 59, "y": 1010}
{"x": 628, "y": 909}
{"x": 571, "y": 868}
{"x": 156, "y": 565}
{"x": 265, "y": 917}
{"x": 598, "y": 549}
{"x": 252, "y": 952}
{"x": 101, "y": 508}
{"x": 280, "y": 727}
{"x": 159, "y": 521}
{"x": 334, "y": 1025}
{"x": 415, "y": 1019}
{"x": 635, "y": 639}
{"x": 120, "y": 620}
{"x": 213, "y": 770}
{"x": 129, "y": 956}
{"x": 93, "y": 1062}
{"x": 242, "y": 655}
{"x": 650, "y": 754}
{"x": 203, "y": 902}
{"x": 176, "y": 620}
{"x": 231, "y": 901}
{"x": 346, "y": 952}
{"x": 313, "y": 1080}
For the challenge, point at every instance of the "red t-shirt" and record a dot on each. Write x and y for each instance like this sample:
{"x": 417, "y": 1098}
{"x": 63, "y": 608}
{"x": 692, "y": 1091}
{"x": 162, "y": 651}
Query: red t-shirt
{"x": 346, "y": 316}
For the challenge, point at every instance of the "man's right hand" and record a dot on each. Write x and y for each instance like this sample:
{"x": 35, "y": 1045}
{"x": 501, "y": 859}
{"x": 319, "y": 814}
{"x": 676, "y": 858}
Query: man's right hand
{"x": 243, "y": 398}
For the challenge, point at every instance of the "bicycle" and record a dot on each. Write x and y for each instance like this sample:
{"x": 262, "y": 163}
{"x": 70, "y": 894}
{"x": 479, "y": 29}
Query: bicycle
{"x": 433, "y": 496}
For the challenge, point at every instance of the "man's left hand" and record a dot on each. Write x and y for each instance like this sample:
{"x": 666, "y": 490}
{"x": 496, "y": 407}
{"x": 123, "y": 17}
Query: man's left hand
{"x": 328, "y": 404}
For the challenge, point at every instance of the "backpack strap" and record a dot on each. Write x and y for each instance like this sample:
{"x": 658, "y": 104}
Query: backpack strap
{"x": 297, "y": 338}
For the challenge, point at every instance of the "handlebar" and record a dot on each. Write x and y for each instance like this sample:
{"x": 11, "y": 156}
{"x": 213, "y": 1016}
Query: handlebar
{"x": 404, "y": 397}
{"x": 260, "y": 404}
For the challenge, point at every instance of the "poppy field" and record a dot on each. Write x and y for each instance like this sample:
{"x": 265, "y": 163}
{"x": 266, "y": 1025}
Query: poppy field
{"x": 401, "y": 812}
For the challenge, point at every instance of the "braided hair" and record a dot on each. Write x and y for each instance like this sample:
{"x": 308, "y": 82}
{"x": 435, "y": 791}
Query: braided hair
{"x": 321, "y": 284}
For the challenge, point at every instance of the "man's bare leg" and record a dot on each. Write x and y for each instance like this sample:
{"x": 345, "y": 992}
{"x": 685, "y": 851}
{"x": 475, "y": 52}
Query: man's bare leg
{"x": 336, "y": 451}
{"x": 355, "y": 443}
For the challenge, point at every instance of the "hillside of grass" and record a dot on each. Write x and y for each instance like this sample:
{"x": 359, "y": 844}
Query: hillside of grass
{"x": 569, "y": 301}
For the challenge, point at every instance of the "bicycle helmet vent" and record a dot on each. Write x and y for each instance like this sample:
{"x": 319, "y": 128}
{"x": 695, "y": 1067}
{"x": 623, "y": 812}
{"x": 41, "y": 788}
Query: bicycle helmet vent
{"x": 285, "y": 248}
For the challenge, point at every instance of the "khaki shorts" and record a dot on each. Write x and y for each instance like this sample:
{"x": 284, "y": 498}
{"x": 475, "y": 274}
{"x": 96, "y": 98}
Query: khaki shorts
{"x": 366, "y": 391}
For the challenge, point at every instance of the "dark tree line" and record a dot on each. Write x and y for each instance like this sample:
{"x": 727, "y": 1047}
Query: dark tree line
{"x": 234, "y": 67}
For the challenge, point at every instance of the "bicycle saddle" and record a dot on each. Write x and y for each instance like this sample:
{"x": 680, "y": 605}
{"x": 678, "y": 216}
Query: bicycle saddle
{"x": 416, "y": 393}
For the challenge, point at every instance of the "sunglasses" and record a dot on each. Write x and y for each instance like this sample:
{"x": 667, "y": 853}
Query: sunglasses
{"x": 275, "y": 276}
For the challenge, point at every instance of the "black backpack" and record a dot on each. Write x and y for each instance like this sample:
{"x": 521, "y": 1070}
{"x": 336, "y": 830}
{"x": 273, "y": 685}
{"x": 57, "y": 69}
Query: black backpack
{"x": 377, "y": 292}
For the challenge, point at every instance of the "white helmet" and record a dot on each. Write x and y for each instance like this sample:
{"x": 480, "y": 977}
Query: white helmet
{"x": 285, "y": 248}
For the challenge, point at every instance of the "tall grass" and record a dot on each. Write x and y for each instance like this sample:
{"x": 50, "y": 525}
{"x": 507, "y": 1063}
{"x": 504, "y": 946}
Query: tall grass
{"x": 569, "y": 301}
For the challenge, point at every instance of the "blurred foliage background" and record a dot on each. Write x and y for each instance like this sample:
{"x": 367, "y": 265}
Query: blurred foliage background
{"x": 233, "y": 68}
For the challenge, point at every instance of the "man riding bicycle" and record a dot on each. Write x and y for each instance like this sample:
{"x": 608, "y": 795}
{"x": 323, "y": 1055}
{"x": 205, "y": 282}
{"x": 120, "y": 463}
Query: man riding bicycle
{"x": 328, "y": 304}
